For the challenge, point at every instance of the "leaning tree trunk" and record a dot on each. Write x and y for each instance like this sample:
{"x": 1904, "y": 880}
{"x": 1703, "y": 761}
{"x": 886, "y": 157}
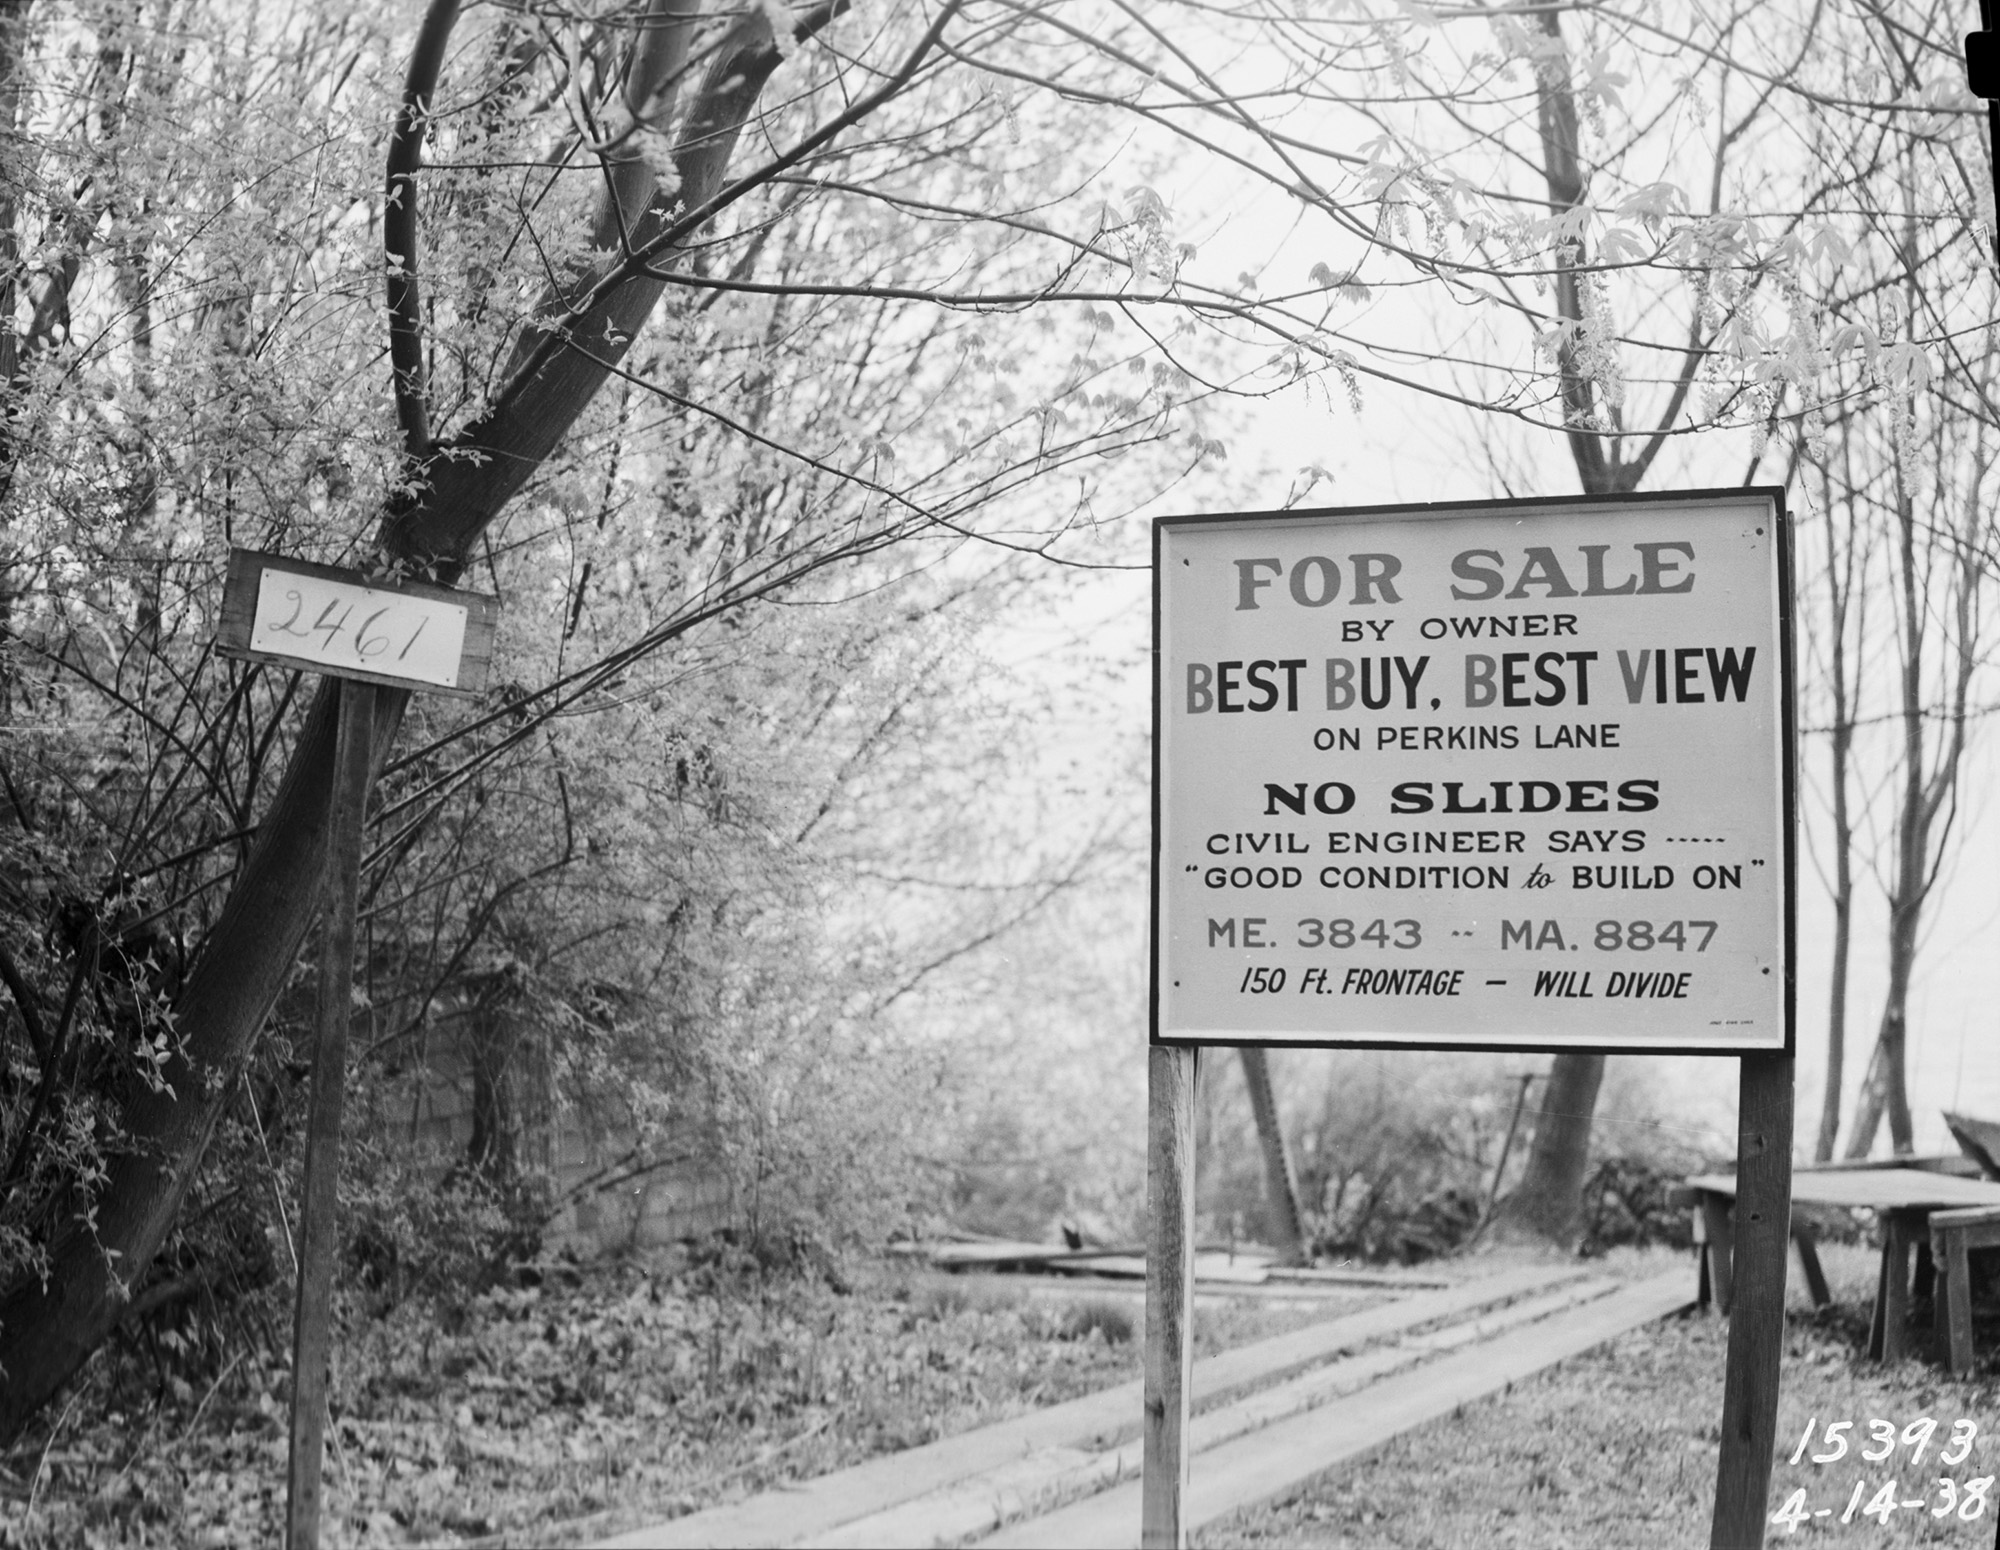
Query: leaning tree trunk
{"x": 1843, "y": 933}
{"x": 1548, "y": 1204}
{"x": 48, "y": 1327}
{"x": 1279, "y": 1182}
{"x": 1886, "y": 1090}
{"x": 1841, "y": 585}
{"x": 1867, "y": 1109}
{"x": 1928, "y": 789}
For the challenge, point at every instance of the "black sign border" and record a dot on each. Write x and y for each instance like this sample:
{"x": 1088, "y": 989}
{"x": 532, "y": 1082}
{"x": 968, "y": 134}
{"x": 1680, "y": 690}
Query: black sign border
{"x": 239, "y": 605}
{"x": 1788, "y": 756}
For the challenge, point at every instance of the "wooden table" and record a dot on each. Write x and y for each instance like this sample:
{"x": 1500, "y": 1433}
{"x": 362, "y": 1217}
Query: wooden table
{"x": 1902, "y": 1198}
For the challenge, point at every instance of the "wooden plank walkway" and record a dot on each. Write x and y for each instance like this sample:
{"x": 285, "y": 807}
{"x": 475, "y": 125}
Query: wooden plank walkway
{"x": 982, "y": 1503}
{"x": 1299, "y": 1401}
{"x": 1250, "y": 1470}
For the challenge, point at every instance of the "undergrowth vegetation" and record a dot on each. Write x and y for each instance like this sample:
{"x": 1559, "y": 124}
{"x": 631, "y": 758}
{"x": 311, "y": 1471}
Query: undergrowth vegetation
{"x": 564, "y": 1402}
{"x": 1400, "y": 1155}
{"x": 624, "y": 1391}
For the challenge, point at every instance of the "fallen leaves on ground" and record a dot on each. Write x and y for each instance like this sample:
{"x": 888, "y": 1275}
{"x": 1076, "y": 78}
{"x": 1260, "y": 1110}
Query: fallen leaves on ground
{"x": 1616, "y": 1449}
{"x": 628, "y": 1388}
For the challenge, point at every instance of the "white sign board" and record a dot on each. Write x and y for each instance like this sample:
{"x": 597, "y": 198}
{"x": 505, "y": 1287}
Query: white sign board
{"x": 337, "y": 621}
{"x": 1510, "y": 776}
{"x": 338, "y": 625}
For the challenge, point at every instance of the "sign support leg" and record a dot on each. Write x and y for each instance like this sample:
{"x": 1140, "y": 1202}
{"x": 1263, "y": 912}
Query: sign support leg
{"x": 1170, "y": 1081}
{"x": 319, "y": 1219}
{"x": 1762, "y": 1229}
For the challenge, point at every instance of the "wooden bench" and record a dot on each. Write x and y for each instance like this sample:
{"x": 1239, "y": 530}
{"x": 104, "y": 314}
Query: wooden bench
{"x": 1905, "y": 1194}
{"x": 1954, "y": 1234}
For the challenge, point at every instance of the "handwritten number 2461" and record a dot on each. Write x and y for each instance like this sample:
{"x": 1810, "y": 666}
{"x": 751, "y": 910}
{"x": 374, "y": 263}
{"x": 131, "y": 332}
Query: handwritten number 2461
{"x": 368, "y": 643}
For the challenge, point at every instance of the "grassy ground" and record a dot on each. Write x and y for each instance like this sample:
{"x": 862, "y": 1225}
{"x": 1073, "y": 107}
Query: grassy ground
{"x": 601, "y": 1400}
{"x": 619, "y": 1395}
{"x": 1618, "y": 1447}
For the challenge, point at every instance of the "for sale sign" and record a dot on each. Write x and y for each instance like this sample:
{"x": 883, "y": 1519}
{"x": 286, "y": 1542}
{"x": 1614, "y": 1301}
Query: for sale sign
{"x": 1514, "y": 775}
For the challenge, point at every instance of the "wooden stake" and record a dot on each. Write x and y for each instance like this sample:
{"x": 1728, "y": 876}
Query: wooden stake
{"x": 1756, "y": 1302}
{"x": 1506, "y": 1150}
{"x": 319, "y": 1219}
{"x": 1170, "y": 1079}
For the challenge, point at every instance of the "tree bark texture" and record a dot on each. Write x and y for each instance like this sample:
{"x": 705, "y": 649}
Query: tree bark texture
{"x": 1548, "y": 1203}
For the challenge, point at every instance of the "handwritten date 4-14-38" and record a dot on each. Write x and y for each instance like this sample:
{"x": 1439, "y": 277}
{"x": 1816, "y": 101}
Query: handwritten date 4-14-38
{"x": 1877, "y": 1445}
{"x": 1966, "y": 1502}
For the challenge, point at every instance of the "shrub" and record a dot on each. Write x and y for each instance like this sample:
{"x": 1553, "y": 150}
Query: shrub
{"x": 1625, "y": 1206}
{"x": 1106, "y": 1316}
{"x": 1395, "y": 1163}
{"x": 1396, "y": 1152}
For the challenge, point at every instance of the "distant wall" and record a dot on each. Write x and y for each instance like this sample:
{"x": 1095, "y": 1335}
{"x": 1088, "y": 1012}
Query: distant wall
{"x": 611, "y": 1200}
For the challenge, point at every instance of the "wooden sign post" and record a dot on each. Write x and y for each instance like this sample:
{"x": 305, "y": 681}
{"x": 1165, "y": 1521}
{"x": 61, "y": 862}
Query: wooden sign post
{"x": 1170, "y": 1081}
{"x": 365, "y": 632}
{"x": 1757, "y": 1309}
{"x": 319, "y": 1218}
{"x": 1509, "y": 775}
